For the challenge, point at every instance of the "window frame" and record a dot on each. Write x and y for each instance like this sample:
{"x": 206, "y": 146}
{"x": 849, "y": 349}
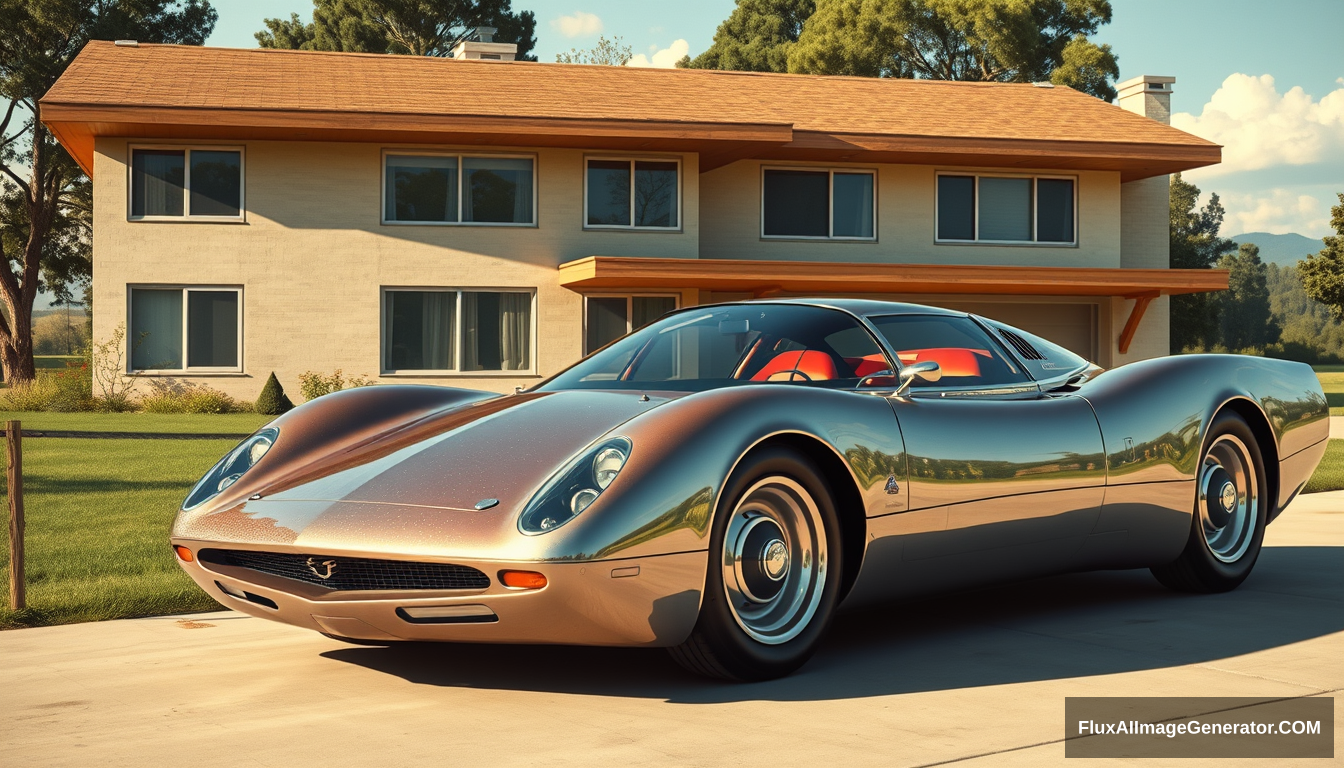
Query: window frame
{"x": 629, "y": 310}
{"x": 186, "y": 369}
{"x": 1035, "y": 209}
{"x": 632, "y": 159}
{"x": 384, "y": 330}
{"x": 187, "y": 149}
{"x": 830, "y": 198}
{"x": 459, "y": 155}
{"x": 1012, "y": 389}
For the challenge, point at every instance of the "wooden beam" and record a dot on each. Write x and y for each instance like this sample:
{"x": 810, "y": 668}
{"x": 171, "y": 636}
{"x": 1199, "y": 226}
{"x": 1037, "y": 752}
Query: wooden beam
{"x": 1141, "y": 302}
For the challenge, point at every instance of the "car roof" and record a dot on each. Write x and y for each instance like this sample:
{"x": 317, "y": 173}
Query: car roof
{"x": 859, "y": 307}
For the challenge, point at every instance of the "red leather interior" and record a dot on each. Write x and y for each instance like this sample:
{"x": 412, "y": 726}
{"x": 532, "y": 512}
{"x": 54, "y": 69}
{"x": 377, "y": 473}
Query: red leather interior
{"x": 867, "y": 365}
{"x": 816, "y": 365}
{"x": 955, "y": 361}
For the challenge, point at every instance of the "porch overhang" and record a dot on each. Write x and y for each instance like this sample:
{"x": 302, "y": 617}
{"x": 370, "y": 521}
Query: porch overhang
{"x": 773, "y": 278}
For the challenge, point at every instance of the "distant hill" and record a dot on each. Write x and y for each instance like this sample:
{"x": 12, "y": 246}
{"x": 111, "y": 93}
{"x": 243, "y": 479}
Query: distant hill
{"x": 1280, "y": 249}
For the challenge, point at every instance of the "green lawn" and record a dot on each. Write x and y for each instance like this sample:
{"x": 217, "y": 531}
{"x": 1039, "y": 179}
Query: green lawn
{"x": 1329, "y": 475}
{"x": 228, "y": 423}
{"x": 1333, "y": 384}
{"x": 54, "y": 361}
{"x": 98, "y": 513}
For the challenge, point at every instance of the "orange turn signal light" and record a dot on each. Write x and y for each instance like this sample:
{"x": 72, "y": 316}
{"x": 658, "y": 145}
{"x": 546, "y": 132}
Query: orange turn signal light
{"x": 522, "y": 579}
{"x": 183, "y": 553}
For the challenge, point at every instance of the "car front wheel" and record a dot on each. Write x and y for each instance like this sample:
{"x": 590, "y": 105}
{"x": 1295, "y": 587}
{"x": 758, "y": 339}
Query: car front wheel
{"x": 774, "y": 571}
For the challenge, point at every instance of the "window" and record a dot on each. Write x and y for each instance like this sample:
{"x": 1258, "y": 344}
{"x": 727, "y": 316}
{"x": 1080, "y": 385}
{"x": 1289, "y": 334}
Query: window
{"x": 456, "y": 331}
{"x": 799, "y": 203}
{"x": 185, "y": 329}
{"x": 204, "y": 184}
{"x": 1006, "y": 209}
{"x": 963, "y": 350}
{"x": 607, "y": 318}
{"x": 458, "y": 189}
{"x": 632, "y": 194}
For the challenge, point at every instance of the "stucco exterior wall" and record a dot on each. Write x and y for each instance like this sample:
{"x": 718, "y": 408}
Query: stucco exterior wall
{"x": 730, "y": 222}
{"x": 312, "y": 256}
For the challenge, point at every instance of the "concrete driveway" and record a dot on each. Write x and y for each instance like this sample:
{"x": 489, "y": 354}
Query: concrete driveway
{"x": 978, "y": 678}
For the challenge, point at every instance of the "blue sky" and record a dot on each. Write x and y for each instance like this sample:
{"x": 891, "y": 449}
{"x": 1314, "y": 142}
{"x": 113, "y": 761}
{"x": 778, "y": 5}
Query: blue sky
{"x": 1265, "y": 79}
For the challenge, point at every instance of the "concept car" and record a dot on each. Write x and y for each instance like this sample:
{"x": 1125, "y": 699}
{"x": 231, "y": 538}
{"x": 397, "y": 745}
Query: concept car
{"x": 721, "y": 481}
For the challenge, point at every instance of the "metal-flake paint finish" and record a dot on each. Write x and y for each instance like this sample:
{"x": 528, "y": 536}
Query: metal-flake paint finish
{"x": 988, "y": 486}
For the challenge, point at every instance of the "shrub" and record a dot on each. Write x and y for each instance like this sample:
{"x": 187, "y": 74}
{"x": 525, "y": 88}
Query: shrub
{"x": 61, "y": 391}
{"x": 173, "y": 396}
{"x": 273, "y": 401}
{"x": 314, "y": 385}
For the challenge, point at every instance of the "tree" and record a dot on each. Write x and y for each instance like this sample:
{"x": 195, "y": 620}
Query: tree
{"x": 273, "y": 401}
{"x": 45, "y": 199}
{"x": 1244, "y": 307}
{"x": 1010, "y": 41}
{"x": 1195, "y": 244}
{"x": 613, "y": 53}
{"x": 756, "y": 37}
{"x": 1323, "y": 273}
{"x": 412, "y": 27}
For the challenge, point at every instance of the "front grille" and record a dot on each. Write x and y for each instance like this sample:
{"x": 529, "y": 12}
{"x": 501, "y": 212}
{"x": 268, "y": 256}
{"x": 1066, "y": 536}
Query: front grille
{"x": 351, "y": 573}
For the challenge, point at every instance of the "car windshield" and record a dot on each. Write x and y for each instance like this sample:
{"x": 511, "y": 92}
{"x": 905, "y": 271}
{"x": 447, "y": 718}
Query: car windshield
{"x": 733, "y": 345}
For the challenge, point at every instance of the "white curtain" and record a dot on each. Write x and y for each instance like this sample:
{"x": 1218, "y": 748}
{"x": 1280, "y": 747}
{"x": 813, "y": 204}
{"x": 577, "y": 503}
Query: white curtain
{"x": 496, "y": 331}
{"x": 436, "y": 330}
{"x": 515, "y": 330}
{"x": 471, "y": 332}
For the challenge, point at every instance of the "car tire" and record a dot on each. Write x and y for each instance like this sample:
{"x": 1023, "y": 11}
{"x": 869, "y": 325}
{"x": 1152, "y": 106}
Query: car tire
{"x": 1232, "y": 506}
{"x": 774, "y": 571}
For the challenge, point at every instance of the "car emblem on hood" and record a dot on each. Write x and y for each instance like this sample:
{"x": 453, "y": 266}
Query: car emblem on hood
{"x": 316, "y": 568}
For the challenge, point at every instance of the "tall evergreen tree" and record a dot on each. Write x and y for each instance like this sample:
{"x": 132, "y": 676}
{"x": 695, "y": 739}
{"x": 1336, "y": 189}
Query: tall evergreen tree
{"x": 756, "y": 37}
{"x": 412, "y": 27}
{"x": 1195, "y": 244}
{"x": 46, "y": 201}
{"x": 1244, "y": 308}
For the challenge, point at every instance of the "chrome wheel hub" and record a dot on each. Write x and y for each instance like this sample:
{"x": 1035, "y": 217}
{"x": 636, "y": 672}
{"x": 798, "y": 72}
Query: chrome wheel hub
{"x": 1229, "y": 499}
{"x": 774, "y": 560}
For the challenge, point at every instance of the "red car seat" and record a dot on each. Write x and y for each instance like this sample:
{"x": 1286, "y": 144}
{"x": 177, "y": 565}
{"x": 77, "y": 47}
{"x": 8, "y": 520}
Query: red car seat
{"x": 817, "y": 366}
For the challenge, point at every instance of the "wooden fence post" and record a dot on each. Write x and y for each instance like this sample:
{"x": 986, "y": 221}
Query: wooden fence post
{"x": 18, "y": 599}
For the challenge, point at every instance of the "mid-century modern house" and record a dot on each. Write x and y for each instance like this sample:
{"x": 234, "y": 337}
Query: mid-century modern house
{"x": 483, "y": 222}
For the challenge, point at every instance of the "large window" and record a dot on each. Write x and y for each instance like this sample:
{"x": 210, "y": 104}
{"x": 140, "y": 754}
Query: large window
{"x": 444, "y": 330}
{"x": 185, "y": 328}
{"x": 967, "y": 356}
{"x": 191, "y": 183}
{"x": 1006, "y": 209}
{"x": 632, "y": 194}
{"x": 607, "y": 318}
{"x": 458, "y": 189}
{"x": 805, "y": 203}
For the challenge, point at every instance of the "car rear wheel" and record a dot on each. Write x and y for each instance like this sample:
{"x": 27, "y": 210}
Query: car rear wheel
{"x": 774, "y": 571}
{"x": 1231, "y": 509}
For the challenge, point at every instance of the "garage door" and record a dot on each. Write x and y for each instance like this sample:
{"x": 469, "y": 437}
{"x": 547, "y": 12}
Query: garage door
{"x": 1072, "y": 326}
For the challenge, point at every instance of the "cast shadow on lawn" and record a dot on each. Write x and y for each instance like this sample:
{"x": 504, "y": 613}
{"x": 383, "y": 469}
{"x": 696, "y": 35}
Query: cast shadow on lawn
{"x": 1059, "y": 627}
{"x": 66, "y": 486}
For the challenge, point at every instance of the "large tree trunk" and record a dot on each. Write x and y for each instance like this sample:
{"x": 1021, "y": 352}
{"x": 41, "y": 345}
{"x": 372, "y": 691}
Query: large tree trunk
{"x": 16, "y": 335}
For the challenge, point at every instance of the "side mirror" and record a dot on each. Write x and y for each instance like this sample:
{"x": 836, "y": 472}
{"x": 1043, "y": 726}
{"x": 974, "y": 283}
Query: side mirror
{"x": 926, "y": 372}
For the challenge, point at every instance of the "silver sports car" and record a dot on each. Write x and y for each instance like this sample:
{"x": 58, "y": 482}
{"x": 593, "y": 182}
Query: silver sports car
{"x": 721, "y": 481}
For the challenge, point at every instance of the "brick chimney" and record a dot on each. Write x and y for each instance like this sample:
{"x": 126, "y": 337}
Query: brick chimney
{"x": 1147, "y": 95}
{"x": 481, "y": 46}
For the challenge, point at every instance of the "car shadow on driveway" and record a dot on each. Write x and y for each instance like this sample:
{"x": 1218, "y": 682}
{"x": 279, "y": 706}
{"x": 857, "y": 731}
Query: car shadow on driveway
{"x": 1075, "y": 625}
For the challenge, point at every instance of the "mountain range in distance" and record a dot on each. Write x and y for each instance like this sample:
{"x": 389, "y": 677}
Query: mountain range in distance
{"x": 1284, "y": 250}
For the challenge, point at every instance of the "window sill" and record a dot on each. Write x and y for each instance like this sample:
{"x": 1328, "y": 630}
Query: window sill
{"x": 186, "y": 219}
{"x": 460, "y": 375}
{"x": 488, "y": 224}
{"x": 808, "y": 239}
{"x": 1005, "y": 243}
{"x": 619, "y": 228}
{"x": 187, "y": 372}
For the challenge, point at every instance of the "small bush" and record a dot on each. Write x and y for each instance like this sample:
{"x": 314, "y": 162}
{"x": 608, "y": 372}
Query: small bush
{"x": 273, "y": 401}
{"x": 173, "y": 396}
{"x": 61, "y": 391}
{"x": 314, "y": 385}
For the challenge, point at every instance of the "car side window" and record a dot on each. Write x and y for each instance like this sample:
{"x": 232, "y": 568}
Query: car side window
{"x": 966, "y": 354}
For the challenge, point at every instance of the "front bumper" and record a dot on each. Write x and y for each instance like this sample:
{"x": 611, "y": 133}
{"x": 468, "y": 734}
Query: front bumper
{"x": 644, "y": 601}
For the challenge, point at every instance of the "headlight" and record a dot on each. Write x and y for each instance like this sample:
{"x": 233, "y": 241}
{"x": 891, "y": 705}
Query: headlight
{"x": 574, "y": 488}
{"x": 231, "y": 468}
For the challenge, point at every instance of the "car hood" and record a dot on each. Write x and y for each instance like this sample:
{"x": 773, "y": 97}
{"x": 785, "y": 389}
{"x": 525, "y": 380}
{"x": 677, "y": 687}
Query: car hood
{"x": 420, "y": 475}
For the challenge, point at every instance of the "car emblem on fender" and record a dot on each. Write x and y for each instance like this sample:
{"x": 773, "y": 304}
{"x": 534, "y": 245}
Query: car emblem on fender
{"x": 892, "y": 486}
{"x": 316, "y": 567}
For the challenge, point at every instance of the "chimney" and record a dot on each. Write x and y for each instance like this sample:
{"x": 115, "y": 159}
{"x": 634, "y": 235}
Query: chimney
{"x": 481, "y": 46}
{"x": 1147, "y": 95}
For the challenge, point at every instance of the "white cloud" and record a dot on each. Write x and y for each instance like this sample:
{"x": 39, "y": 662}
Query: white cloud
{"x": 1277, "y": 211}
{"x": 578, "y": 24}
{"x": 1261, "y": 128}
{"x": 665, "y": 58}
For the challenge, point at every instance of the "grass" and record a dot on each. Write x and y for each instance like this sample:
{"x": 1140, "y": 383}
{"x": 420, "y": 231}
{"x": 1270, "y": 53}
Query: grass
{"x": 54, "y": 361}
{"x": 98, "y": 514}
{"x": 1333, "y": 384}
{"x": 209, "y": 423}
{"x": 1329, "y": 476}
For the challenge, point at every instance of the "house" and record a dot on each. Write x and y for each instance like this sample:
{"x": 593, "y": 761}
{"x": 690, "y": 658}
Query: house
{"x": 483, "y": 223}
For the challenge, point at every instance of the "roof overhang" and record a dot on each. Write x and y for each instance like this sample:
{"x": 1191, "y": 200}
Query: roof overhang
{"x": 597, "y": 273}
{"x": 717, "y": 143}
